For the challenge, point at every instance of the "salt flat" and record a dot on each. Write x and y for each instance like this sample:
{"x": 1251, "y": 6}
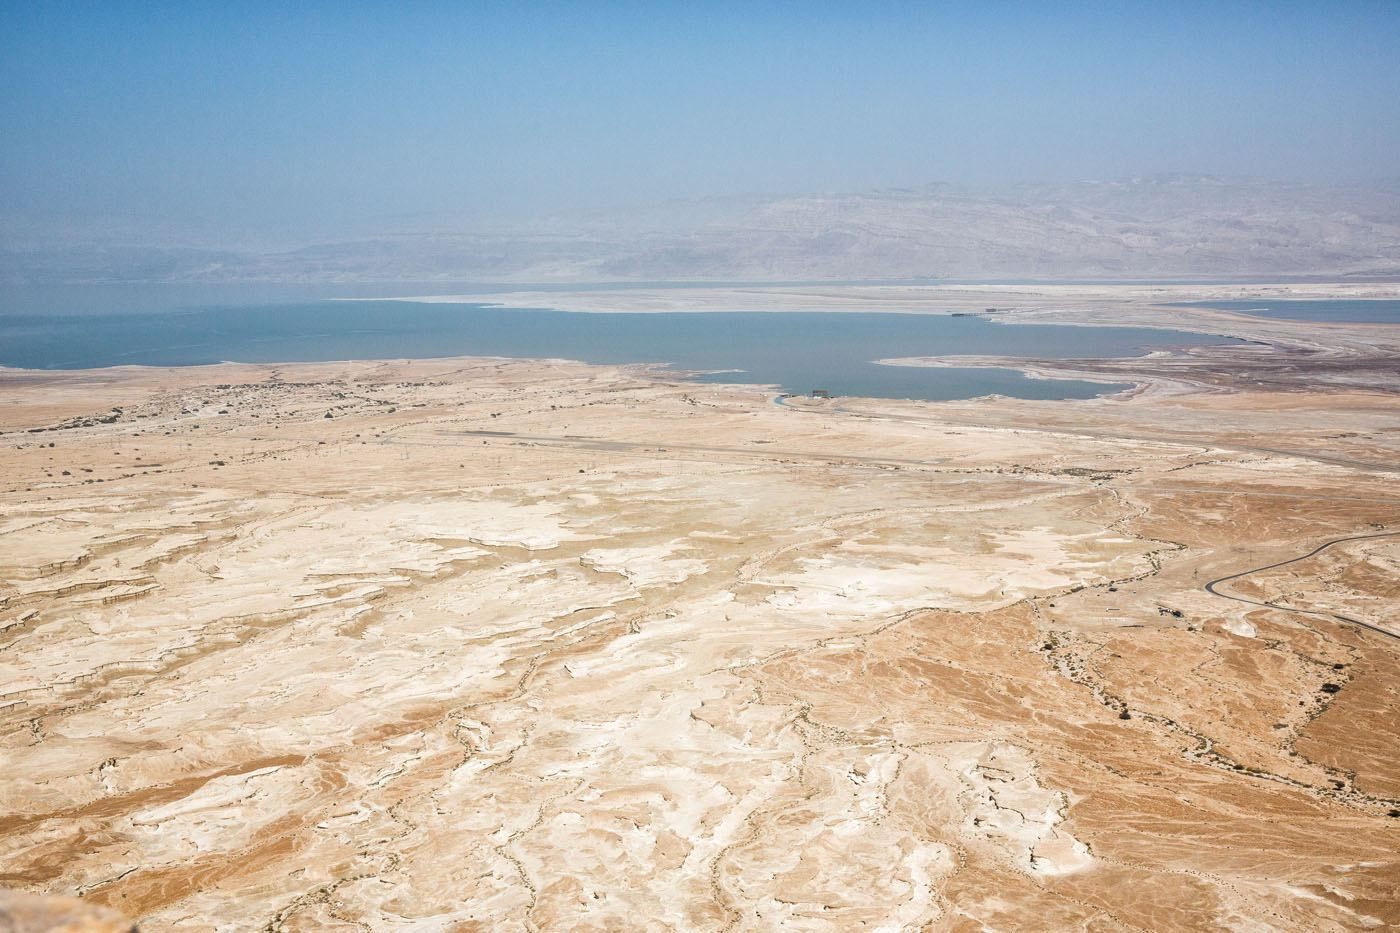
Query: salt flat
{"x": 493, "y": 644}
{"x": 911, "y": 299}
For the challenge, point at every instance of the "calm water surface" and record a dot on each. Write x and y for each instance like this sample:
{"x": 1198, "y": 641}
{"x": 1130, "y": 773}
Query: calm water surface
{"x": 1359, "y": 311}
{"x": 797, "y": 351}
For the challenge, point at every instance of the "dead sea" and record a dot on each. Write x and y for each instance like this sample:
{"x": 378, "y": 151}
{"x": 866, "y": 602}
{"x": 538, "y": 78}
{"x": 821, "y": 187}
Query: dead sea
{"x": 795, "y": 351}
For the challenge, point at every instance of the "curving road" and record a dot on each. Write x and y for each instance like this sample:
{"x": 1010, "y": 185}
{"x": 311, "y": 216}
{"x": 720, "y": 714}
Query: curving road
{"x": 1211, "y": 586}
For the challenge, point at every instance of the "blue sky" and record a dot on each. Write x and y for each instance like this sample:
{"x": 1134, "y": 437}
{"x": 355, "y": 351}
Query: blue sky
{"x": 249, "y": 120}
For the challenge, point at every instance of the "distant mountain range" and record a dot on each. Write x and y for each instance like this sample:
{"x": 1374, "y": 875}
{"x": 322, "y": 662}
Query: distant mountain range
{"x": 1162, "y": 226}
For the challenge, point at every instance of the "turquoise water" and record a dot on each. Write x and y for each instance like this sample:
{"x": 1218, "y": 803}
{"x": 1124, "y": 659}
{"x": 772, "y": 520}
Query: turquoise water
{"x": 797, "y": 351}
{"x": 1359, "y": 311}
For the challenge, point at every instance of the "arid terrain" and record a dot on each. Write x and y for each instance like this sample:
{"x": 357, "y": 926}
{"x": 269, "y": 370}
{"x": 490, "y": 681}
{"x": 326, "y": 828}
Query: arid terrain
{"x": 484, "y": 644}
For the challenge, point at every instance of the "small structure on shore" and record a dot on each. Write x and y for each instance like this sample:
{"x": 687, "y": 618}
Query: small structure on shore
{"x": 820, "y": 393}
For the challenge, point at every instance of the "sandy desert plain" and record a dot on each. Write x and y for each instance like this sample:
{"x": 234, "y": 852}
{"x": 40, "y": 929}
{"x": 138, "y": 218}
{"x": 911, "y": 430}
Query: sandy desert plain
{"x": 485, "y": 644}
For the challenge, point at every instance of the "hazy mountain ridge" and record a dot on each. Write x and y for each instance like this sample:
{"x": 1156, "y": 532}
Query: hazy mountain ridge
{"x": 1161, "y": 226}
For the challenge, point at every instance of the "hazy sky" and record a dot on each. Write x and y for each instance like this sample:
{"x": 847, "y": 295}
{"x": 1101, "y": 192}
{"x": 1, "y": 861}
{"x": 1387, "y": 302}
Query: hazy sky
{"x": 248, "y": 120}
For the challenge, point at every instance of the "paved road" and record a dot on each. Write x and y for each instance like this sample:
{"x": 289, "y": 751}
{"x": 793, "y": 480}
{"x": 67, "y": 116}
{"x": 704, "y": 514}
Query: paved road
{"x": 1211, "y": 586}
{"x": 759, "y": 450}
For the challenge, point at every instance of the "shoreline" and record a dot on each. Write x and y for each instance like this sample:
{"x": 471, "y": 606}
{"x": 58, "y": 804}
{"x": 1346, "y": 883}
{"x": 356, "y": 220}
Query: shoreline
{"x": 932, "y": 298}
